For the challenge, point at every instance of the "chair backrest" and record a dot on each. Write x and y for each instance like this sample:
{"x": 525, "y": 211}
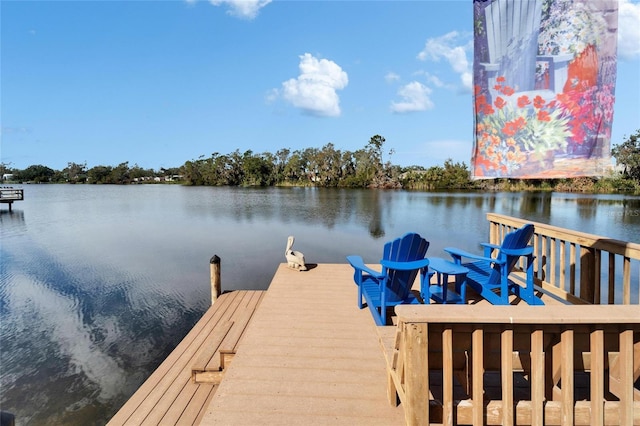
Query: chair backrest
{"x": 517, "y": 239}
{"x": 409, "y": 247}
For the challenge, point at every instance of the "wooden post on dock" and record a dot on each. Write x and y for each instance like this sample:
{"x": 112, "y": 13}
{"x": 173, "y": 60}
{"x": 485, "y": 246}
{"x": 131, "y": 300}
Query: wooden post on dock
{"x": 216, "y": 287}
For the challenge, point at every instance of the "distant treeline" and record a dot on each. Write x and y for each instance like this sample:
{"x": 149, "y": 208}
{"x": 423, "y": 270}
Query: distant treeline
{"x": 330, "y": 167}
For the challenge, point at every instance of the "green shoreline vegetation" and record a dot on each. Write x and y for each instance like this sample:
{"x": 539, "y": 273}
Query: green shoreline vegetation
{"x": 331, "y": 167}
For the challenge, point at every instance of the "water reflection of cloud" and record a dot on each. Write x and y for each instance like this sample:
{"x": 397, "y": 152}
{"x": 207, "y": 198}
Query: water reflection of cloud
{"x": 57, "y": 318}
{"x": 81, "y": 332}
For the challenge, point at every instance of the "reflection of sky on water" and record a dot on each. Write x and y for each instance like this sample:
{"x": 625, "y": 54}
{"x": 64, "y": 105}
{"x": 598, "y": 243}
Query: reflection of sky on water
{"x": 98, "y": 283}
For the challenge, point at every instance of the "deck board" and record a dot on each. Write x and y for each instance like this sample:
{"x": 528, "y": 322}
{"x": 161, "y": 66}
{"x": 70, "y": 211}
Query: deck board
{"x": 309, "y": 357}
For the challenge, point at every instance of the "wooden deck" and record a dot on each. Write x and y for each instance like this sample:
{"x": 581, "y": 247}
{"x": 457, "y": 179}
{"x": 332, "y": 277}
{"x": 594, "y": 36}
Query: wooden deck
{"x": 310, "y": 356}
{"x": 303, "y": 353}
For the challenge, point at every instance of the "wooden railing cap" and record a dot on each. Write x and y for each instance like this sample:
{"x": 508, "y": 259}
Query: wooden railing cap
{"x": 489, "y": 314}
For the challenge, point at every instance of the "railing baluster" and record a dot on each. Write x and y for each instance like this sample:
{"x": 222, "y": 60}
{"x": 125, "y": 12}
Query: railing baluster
{"x": 566, "y": 342}
{"x": 596, "y": 279}
{"x": 506, "y": 374}
{"x": 447, "y": 376}
{"x": 553, "y": 262}
{"x": 538, "y": 260}
{"x": 626, "y": 376}
{"x": 572, "y": 268}
{"x": 612, "y": 278}
{"x": 597, "y": 376}
{"x": 537, "y": 377}
{"x": 477, "y": 371}
{"x": 626, "y": 281}
{"x": 563, "y": 266}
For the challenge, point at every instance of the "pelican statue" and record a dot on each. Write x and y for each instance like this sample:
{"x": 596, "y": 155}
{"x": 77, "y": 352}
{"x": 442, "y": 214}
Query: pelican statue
{"x": 295, "y": 259}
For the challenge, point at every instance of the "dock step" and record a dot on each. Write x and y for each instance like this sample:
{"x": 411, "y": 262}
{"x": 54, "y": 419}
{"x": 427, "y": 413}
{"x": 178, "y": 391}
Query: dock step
{"x": 180, "y": 388}
{"x": 222, "y": 345}
{"x": 207, "y": 368}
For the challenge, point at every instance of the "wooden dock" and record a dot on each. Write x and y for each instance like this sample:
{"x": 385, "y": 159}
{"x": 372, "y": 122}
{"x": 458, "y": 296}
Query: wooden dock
{"x": 310, "y": 356}
{"x": 307, "y": 356}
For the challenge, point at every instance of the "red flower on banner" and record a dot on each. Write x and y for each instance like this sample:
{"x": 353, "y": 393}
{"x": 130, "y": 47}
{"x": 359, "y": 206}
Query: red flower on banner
{"x": 499, "y": 102}
{"x": 543, "y": 116}
{"x": 512, "y": 127}
{"x": 523, "y": 101}
{"x": 508, "y": 91}
{"x": 481, "y": 101}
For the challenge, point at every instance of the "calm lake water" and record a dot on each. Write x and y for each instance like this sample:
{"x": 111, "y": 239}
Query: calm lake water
{"x": 99, "y": 283}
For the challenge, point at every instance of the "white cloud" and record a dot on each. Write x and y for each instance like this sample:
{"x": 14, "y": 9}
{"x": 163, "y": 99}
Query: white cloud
{"x": 415, "y": 97}
{"x": 271, "y": 95}
{"x": 391, "y": 77}
{"x": 246, "y": 9}
{"x": 315, "y": 89}
{"x": 628, "y": 29}
{"x": 451, "y": 48}
{"x": 467, "y": 79}
{"x": 435, "y": 80}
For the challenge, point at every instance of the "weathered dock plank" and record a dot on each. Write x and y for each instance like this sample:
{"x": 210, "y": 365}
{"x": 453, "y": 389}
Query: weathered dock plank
{"x": 309, "y": 356}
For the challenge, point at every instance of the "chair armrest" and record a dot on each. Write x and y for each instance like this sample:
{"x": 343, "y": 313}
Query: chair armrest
{"x": 405, "y": 266}
{"x": 525, "y": 251}
{"x": 458, "y": 254}
{"x": 358, "y": 264}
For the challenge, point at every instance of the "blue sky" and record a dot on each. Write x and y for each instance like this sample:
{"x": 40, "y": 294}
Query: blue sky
{"x": 157, "y": 83}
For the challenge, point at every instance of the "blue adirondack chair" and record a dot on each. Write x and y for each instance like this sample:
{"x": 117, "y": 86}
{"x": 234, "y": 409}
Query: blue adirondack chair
{"x": 490, "y": 276}
{"x": 402, "y": 259}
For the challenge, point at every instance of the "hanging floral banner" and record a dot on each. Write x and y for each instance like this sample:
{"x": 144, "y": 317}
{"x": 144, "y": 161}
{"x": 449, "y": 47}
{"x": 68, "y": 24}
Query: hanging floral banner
{"x": 544, "y": 87}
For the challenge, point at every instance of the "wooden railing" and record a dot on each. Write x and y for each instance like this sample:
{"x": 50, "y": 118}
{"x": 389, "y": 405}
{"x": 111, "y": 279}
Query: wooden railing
{"x": 533, "y": 365}
{"x": 576, "y": 266}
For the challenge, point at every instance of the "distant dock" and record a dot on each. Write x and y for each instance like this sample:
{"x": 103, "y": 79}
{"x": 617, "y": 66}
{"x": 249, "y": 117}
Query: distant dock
{"x": 9, "y": 195}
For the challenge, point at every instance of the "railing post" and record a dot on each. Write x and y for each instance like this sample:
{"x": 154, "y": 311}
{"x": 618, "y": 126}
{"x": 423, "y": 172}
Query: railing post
{"x": 587, "y": 274}
{"x": 494, "y": 233}
{"x": 216, "y": 287}
{"x": 416, "y": 363}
